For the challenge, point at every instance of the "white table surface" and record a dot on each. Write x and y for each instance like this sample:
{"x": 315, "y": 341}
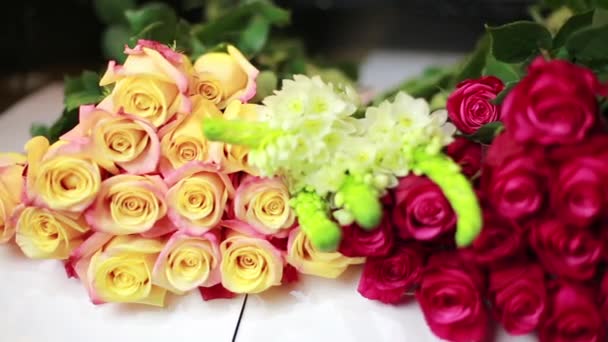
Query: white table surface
{"x": 40, "y": 304}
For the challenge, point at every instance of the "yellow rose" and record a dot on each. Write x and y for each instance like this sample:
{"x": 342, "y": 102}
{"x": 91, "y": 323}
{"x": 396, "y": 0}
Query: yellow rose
{"x": 122, "y": 272}
{"x": 302, "y": 255}
{"x": 233, "y": 158}
{"x": 11, "y": 188}
{"x": 152, "y": 84}
{"x": 250, "y": 265}
{"x": 186, "y": 263}
{"x": 128, "y": 204}
{"x": 183, "y": 141}
{"x": 59, "y": 180}
{"x": 197, "y": 197}
{"x": 221, "y": 77}
{"x": 117, "y": 141}
{"x": 45, "y": 234}
{"x": 263, "y": 203}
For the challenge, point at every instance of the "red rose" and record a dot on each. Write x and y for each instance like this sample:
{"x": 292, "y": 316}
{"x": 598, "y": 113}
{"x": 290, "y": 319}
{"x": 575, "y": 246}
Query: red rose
{"x": 358, "y": 242}
{"x": 518, "y": 297}
{"x": 467, "y": 154}
{"x": 470, "y": 106}
{"x": 388, "y": 278}
{"x": 215, "y": 292}
{"x": 421, "y": 210}
{"x": 604, "y": 296}
{"x": 513, "y": 179}
{"x": 563, "y": 251}
{"x": 500, "y": 239}
{"x": 451, "y": 300}
{"x": 573, "y": 316}
{"x": 580, "y": 190}
{"x": 554, "y": 104}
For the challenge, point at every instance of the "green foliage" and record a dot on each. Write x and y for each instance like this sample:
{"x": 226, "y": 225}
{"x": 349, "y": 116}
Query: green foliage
{"x": 487, "y": 133}
{"x": 574, "y": 24}
{"x": 78, "y": 91}
{"x": 474, "y": 64}
{"x": 516, "y": 42}
{"x": 589, "y": 45}
{"x": 505, "y": 71}
{"x": 111, "y": 12}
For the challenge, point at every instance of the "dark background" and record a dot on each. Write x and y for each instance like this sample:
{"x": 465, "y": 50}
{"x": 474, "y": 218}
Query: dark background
{"x": 42, "y": 39}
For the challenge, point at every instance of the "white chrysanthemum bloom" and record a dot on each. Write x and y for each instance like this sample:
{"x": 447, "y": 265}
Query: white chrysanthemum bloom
{"x": 397, "y": 129}
{"x": 315, "y": 118}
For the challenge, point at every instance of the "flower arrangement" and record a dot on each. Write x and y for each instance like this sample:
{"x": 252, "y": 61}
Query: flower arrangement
{"x": 484, "y": 203}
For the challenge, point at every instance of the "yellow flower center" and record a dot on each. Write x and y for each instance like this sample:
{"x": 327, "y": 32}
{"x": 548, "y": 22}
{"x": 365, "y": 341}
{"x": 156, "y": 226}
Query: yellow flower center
{"x": 67, "y": 181}
{"x": 145, "y": 97}
{"x": 134, "y": 208}
{"x": 197, "y": 198}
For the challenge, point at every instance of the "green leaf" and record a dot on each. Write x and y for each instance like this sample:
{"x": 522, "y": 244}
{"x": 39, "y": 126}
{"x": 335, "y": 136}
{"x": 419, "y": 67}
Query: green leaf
{"x": 267, "y": 82}
{"x": 487, "y": 133}
{"x": 182, "y": 36}
{"x": 505, "y": 71}
{"x": 82, "y": 90}
{"x": 254, "y": 37}
{"x": 601, "y": 3}
{"x": 475, "y": 63}
{"x": 37, "y": 129}
{"x": 85, "y": 97}
{"x": 234, "y": 20}
{"x": 589, "y": 44}
{"x": 112, "y": 12}
{"x": 573, "y": 24}
{"x": 155, "y": 20}
{"x": 113, "y": 42}
{"x": 518, "y": 41}
{"x": 501, "y": 96}
{"x": 600, "y": 17}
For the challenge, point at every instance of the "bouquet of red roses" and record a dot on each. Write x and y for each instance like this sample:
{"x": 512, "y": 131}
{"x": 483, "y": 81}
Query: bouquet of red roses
{"x": 537, "y": 263}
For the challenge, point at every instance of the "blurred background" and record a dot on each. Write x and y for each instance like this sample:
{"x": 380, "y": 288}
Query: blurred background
{"x": 43, "y": 40}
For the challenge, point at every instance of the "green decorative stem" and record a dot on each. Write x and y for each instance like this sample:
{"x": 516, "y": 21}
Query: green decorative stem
{"x": 457, "y": 189}
{"x": 238, "y": 132}
{"x": 313, "y": 216}
{"x": 361, "y": 200}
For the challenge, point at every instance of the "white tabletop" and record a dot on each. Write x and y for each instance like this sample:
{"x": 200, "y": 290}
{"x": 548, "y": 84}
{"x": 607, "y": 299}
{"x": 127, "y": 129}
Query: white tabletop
{"x": 40, "y": 304}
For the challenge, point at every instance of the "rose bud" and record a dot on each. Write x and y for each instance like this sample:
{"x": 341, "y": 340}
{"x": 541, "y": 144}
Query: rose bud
{"x": 470, "y": 107}
{"x": 467, "y": 154}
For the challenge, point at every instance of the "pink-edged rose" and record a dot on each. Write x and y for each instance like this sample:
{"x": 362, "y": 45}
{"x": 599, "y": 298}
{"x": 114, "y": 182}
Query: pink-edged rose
{"x": 128, "y": 204}
{"x": 152, "y": 84}
{"x": 197, "y": 197}
{"x": 514, "y": 178}
{"x": 565, "y": 251}
{"x": 501, "y": 239}
{"x": 451, "y": 299}
{"x": 580, "y": 189}
{"x": 518, "y": 295}
{"x": 263, "y": 203}
{"x": 470, "y": 107}
{"x": 421, "y": 210}
{"x": 358, "y": 242}
{"x": 467, "y": 154}
{"x": 573, "y": 315}
{"x": 554, "y": 104}
{"x": 187, "y": 262}
{"x": 388, "y": 278}
{"x": 115, "y": 142}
